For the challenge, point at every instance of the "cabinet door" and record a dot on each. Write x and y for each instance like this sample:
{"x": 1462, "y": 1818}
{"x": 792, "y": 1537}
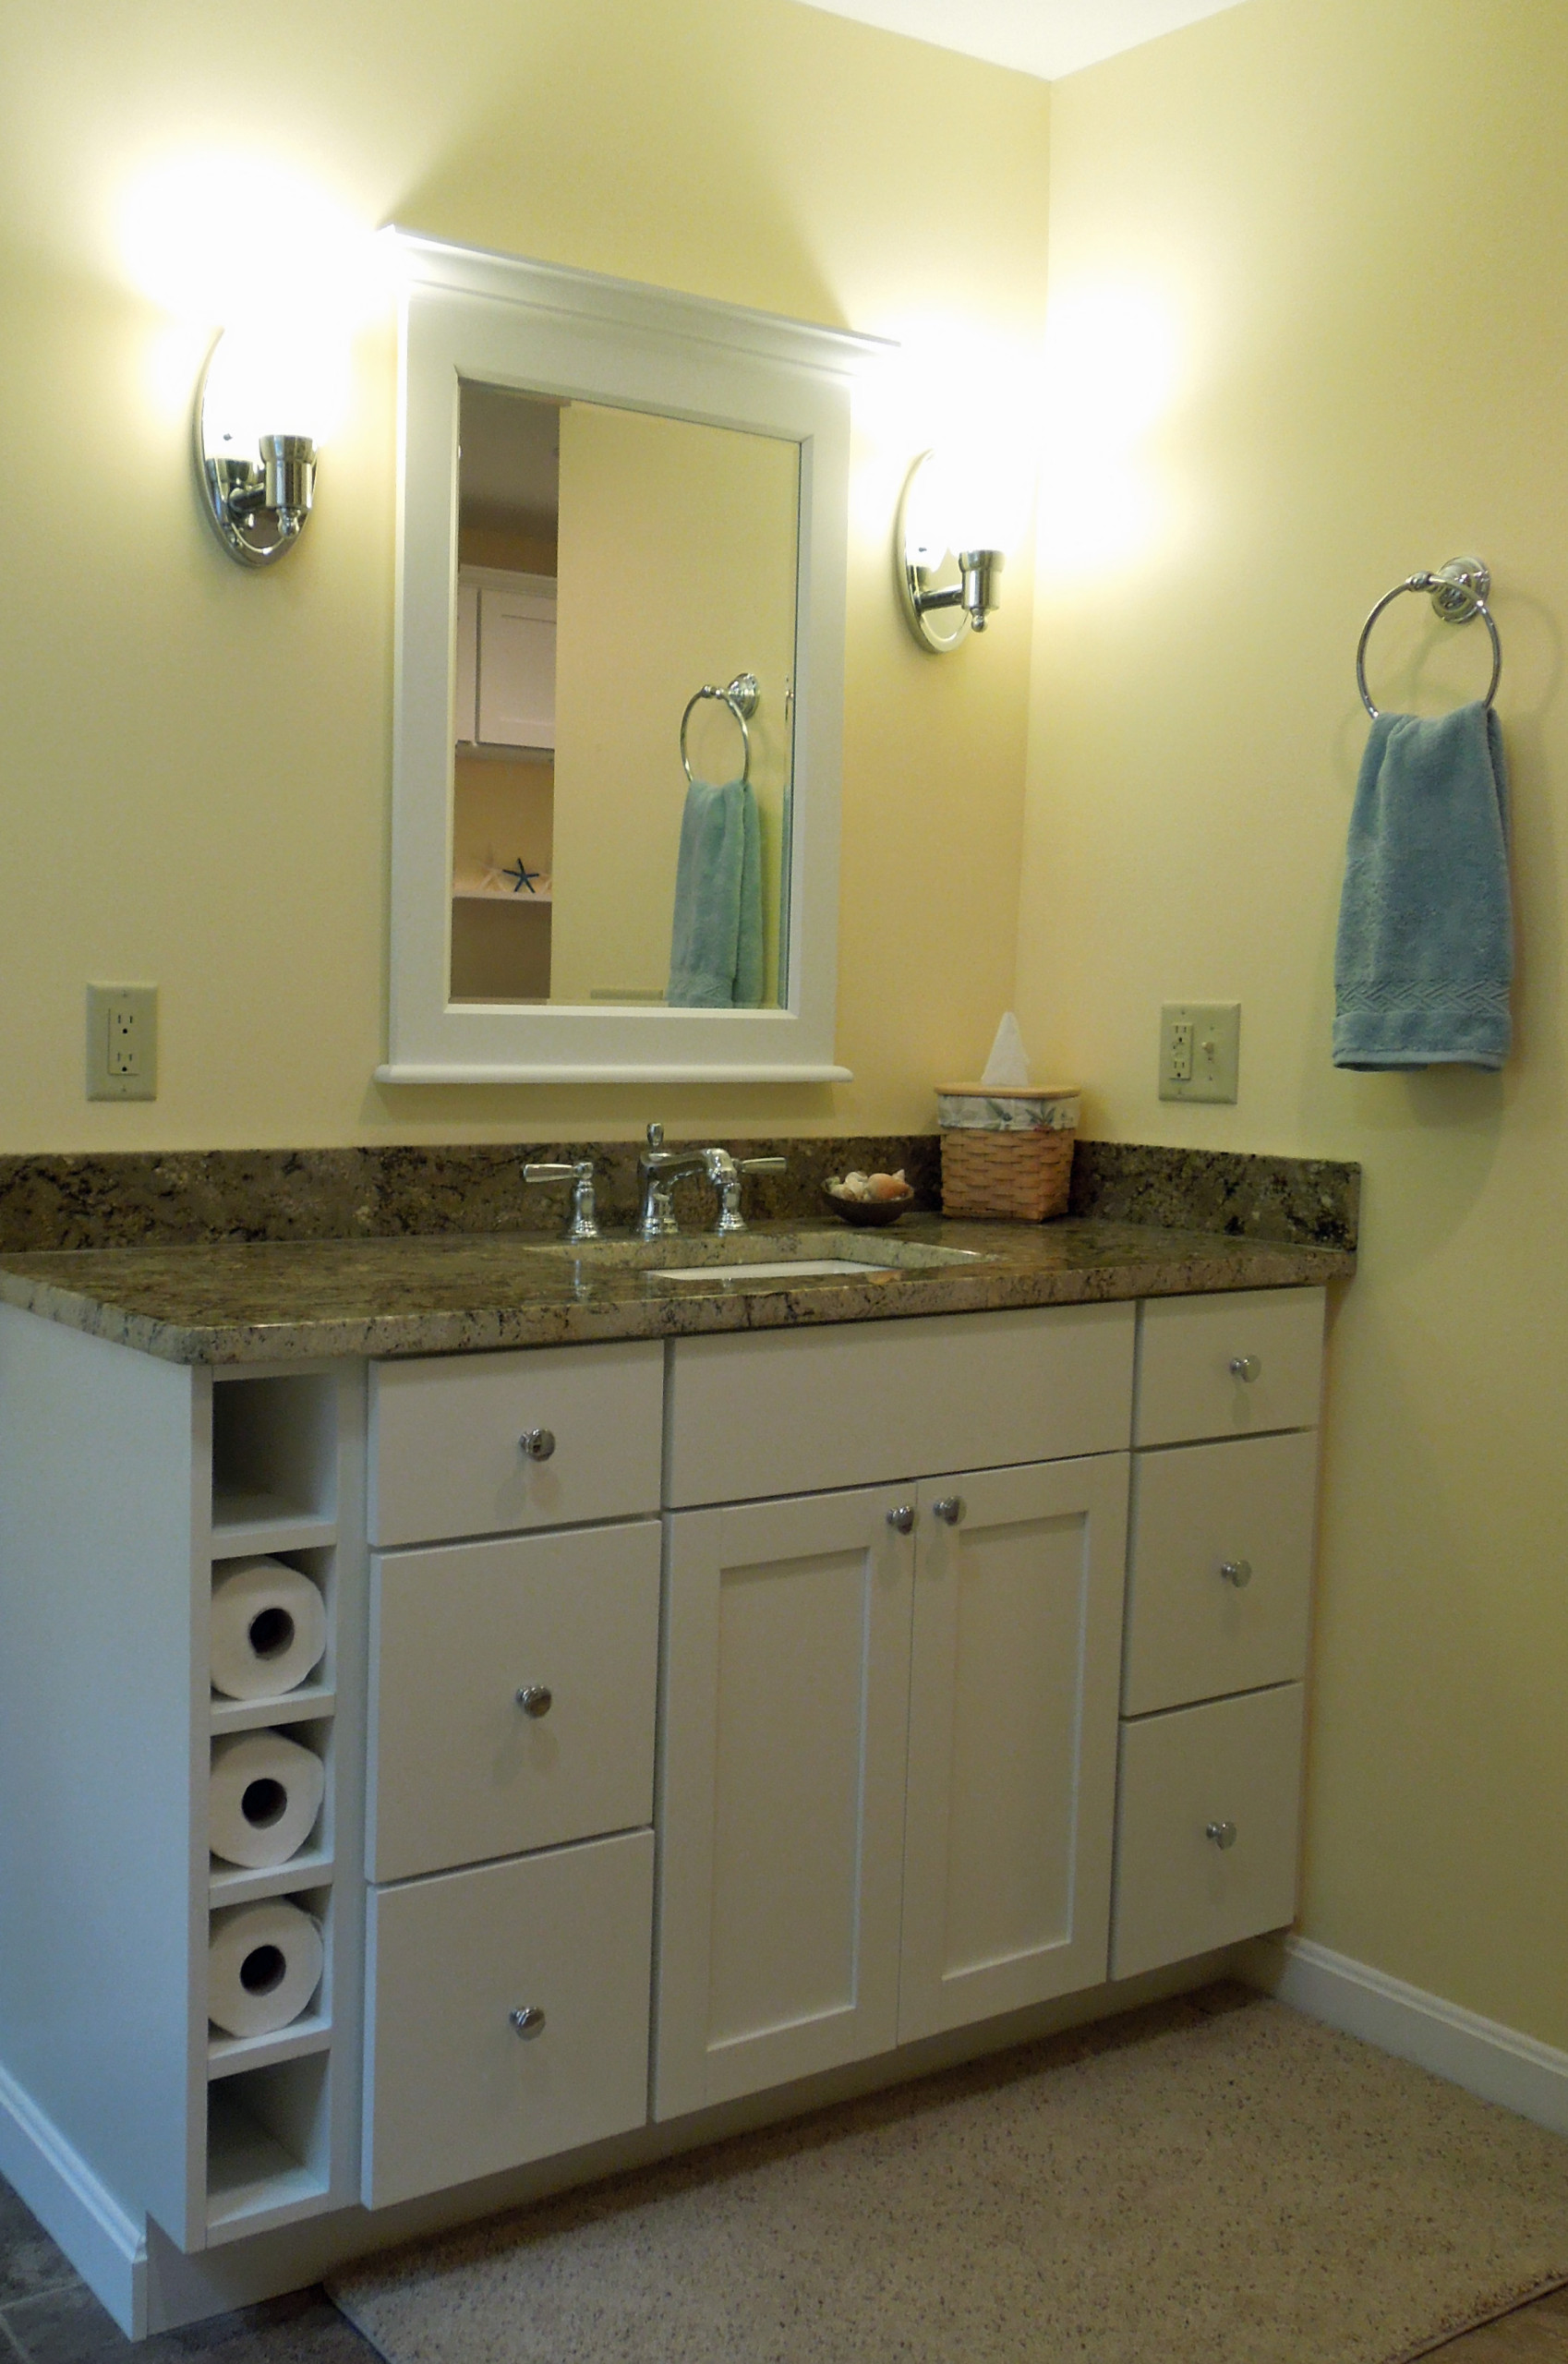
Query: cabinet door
{"x": 786, "y": 1705}
{"x": 516, "y": 668}
{"x": 452, "y": 2088}
{"x": 1012, "y": 1739}
{"x": 1207, "y": 1826}
{"x": 461, "y": 1768}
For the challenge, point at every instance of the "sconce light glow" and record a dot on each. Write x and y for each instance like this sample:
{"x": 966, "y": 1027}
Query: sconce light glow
{"x": 1112, "y": 370}
{"x": 290, "y": 273}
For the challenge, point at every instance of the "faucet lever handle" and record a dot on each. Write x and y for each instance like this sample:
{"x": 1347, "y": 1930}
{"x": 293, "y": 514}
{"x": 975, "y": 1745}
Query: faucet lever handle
{"x": 583, "y": 1220}
{"x": 763, "y": 1166}
{"x": 656, "y": 1136}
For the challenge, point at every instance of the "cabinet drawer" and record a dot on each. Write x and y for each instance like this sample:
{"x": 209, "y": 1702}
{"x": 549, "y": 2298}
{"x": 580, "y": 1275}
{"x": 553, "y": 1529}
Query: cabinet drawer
{"x": 1187, "y": 1346}
{"x": 446, "y": 1451}
{"x": 1193, "y": 1632}
{"x": 804, "y": 1411}
{"x": 451, "y": 2090}
{"x": 460, "y": 1770}
{"x": 1235, "y": 1761}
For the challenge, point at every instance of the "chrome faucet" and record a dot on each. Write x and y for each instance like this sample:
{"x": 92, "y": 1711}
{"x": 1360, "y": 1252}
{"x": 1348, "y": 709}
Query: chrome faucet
{"x": 583, "y": 1220}
{"x": 661, "y": 1168}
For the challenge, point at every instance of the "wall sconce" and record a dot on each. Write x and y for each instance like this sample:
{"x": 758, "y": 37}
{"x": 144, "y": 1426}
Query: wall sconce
{"x": 939, "y": 615}
{"x": 256, "y": 484}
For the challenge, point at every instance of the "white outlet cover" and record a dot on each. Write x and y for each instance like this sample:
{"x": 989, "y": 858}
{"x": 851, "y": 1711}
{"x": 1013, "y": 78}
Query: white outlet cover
{"x": 1216, "y": 1049}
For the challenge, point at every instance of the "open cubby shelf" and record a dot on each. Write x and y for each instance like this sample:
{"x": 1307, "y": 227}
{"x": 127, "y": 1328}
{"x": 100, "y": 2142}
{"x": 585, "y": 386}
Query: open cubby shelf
{"x": 285, "y": 1485}
{"x": 231, "y": 1884}
{"x": 302, "y": 1706}
{"x": 227, "y": 2055}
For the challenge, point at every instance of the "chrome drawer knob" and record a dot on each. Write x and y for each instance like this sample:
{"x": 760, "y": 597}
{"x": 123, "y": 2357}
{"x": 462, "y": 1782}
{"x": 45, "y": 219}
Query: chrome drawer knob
{"x": 538, "y": 1443}
{"x": 1246, "y": 1367}
{"x": 950, "y": 1508}
{"x": 529, "y": 2022}
{"x": 1237, "y": 1571}
{"x": 1221, "y": 1833}
{"x": 903, "y": 1519}
{"x": 536, "y": 1698}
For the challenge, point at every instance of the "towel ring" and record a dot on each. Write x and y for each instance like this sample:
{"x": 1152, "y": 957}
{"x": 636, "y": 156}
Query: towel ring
{"x": 1458, "y": 593}
{"x": 741, "y": 697}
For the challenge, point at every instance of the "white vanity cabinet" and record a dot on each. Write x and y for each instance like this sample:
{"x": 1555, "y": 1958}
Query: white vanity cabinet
{"x": 696, "y": 1715}
{"x": 1219, "y": 1576}
{"x": 513, "y": 1680}
{"x": 505, "y": 673}
{"x": 888, "y": 1711}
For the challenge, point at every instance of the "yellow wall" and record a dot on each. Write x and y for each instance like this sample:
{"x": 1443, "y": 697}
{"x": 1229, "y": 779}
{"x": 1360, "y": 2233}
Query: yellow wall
{"x": 1351, "y": 216}
{"x": 676, "y": 568}
{"x": 193, "y": 761}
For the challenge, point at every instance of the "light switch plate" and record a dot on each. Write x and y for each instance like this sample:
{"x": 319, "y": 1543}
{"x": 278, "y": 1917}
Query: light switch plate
{"x": 1200, "y": 1050}
{"x": 122, "y": 1042}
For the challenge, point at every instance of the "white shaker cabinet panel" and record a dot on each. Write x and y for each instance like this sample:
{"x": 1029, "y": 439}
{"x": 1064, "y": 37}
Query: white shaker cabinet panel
{"x": 1207, "y": 1816}
{"x": 782, "y": 1793}
{"x": 517, "y": 702}
{"x": 453, "y": 2088}
{"x": 792, "y": 1411}
{"x": 513, "y": 1687}
{"x": 1220, "y": 1568}
{"x": 552, "y": 1436}
{"x": 1231, "y": 1365}
{"x": 1012, "y": 1739}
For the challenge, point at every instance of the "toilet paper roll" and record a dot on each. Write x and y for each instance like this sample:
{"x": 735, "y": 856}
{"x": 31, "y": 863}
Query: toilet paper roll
{"x": 269, "y": 1629}
{"x": 264, "y": 1794}
{"x": 263, "y": 1965}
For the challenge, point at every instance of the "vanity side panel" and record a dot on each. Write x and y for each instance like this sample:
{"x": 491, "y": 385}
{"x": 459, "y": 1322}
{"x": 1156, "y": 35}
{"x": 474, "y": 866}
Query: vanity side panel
{"x": 97, "y": 1479}
{"x": 806, "y": 1411}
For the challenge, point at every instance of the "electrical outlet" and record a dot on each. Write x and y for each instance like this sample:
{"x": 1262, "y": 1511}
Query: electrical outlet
{"x": 1200, "y": 1050}
{"x": 122, "y": 1042}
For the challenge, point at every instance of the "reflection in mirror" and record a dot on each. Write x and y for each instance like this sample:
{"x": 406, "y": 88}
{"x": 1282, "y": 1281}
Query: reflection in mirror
{"x": 611, "y": 562}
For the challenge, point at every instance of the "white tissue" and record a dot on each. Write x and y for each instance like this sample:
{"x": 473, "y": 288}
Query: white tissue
{"x": 1007, "y": 1067}
{"x": 269, "y": 1629}
{"x": 263, "y": 1965}
{"x": 264, "y": 1794}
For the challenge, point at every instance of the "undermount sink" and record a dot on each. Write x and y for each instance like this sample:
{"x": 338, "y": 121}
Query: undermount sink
{"x": 757, "y": 1256}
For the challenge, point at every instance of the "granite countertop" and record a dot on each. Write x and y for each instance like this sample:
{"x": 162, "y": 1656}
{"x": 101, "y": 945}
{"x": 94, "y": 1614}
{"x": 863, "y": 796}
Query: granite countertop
{"x": 228, "y": 1301}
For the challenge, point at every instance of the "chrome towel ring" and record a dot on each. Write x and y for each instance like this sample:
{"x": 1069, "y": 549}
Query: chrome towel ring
{"x": 741, "y": 697}
{"x": 1458, "y": 593}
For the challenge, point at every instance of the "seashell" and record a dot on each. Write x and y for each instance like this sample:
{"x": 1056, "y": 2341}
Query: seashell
{"x": 887, "y": 1186}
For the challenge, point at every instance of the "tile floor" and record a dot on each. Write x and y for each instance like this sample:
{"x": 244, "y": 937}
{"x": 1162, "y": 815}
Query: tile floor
{"x": 49, "y": 2316}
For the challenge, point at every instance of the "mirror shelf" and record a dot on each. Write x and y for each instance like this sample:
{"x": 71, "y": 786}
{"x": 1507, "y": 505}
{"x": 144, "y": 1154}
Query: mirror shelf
{"x": 694, "y": 384}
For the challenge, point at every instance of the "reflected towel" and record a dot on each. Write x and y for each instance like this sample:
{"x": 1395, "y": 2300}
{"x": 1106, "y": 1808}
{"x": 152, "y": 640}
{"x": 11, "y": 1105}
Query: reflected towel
{"x": 715, "y": 953}
{"x": 1425, "y": 955}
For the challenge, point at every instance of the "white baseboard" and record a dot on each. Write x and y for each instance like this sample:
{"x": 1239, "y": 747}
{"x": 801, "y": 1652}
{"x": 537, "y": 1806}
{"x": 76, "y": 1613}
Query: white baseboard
{"x": 107, "y": 2248}
{"x": 1487, "y": 2058}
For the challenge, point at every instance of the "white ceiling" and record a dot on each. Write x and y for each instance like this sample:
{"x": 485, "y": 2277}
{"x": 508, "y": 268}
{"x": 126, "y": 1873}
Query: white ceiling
{"x": 1044, "y": 37}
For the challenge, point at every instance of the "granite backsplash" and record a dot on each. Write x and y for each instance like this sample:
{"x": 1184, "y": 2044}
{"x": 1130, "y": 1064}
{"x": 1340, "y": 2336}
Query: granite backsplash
{"x": 121, "y": 1198}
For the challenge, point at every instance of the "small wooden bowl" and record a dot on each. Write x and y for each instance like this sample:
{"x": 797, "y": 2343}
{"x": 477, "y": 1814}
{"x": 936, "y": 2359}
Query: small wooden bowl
{"x": 870, "y": 1211}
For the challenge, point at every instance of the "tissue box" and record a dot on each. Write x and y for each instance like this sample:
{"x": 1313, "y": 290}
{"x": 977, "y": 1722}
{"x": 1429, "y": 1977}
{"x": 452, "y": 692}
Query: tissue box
{"x": 1007, "y": 1153}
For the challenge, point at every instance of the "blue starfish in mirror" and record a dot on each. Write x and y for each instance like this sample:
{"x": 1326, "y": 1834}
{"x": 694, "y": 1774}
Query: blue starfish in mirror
{"x": 522, "y": 877}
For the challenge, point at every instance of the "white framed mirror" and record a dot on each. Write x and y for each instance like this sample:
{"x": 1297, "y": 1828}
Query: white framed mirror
{"x": 612, "y": 500}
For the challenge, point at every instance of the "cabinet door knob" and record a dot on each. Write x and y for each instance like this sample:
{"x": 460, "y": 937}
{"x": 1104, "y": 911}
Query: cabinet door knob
{"x": 538, "y": 1443}
{"x": 529, "y": 2022}
{"x": 1221, "y": 1833}
{"x": 1246, "y": 1367}
{"x": 903, "y": 1518}
{"x": 1237, "y": 1571}
{"x": 536, "y": 1698}
{"x": 950, "y": 1508}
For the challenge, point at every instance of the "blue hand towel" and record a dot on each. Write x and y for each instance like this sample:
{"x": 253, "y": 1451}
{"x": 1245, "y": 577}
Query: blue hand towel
{"x": 1425, "y": 955}
{"x": 715, "y": 952}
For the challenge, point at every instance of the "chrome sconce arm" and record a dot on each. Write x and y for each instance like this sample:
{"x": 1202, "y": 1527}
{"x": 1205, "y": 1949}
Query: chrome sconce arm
{"x": 257, "y": 507}
{"x": 969, "y": 601}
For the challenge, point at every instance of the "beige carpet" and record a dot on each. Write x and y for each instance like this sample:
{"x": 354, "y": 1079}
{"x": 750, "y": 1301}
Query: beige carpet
{"x": 1211, "y": 2182}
